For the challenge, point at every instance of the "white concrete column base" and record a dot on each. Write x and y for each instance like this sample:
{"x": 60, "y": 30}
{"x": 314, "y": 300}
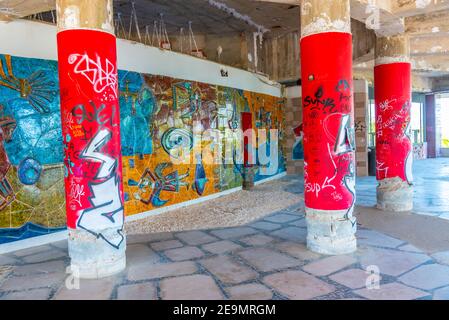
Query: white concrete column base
{"x": 330, "y": 232}
{"x": 394, "y": 195}
{"x": 94, "y": 258}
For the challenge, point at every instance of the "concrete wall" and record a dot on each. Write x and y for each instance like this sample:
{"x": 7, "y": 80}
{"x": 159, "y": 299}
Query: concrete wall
{"x": 237, "y": 49}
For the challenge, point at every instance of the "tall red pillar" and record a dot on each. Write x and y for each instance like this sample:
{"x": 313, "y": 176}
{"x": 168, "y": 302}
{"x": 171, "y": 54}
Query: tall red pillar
{"x": 394, "y": 152}
{"x": 329, "y": 135}
{"x": 91, "y": 130}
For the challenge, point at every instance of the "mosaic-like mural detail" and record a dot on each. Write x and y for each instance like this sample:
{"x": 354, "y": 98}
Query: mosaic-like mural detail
{"x": 31, "y": 170}
{"x": 158, "y": 115}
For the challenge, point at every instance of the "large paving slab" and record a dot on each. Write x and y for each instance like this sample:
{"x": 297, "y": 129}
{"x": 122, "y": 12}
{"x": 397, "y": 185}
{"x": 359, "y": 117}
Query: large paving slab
{"x": 229, "y": 271}
{"x": 252, "y": 291}
{"x": 221, "y": 247}
{"x": 352, "y": 278}
{"x": 427, "y": 277}
{"x": 88, "y": 290}
{"x": 265, "y": 260}
{"x": 195, "y": 238}
{"x": 298, "y": 285}
{"x": 329, "y": 265}
{"x": 195, "y": 287}
{"x": 392, "y": 262}
{"x": 234, "y": 233}
{"x": 157, "y": 271}
{"x": 141, "y": 291}
{"x": 392, "y": 291}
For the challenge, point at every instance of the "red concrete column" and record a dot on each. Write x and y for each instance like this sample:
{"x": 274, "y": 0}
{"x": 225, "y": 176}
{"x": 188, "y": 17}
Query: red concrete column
{"x": 394, "y": 152}
{"x": 91, "y": 130}
{"x": 329, "y": 135}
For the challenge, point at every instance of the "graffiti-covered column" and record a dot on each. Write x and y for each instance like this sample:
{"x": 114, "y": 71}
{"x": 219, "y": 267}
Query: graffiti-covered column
{"x": 91, "y": 132}
{"x": 394, "y": 153}
{"x": 329, "y": 146}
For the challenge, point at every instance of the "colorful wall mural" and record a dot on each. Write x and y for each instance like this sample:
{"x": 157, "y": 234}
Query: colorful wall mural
{"x": 157, "y": 116}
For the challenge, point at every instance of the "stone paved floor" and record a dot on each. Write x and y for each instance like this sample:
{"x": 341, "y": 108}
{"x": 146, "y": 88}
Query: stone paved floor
{"x": 266, "y": 259}
{"x": 431, "y": 180}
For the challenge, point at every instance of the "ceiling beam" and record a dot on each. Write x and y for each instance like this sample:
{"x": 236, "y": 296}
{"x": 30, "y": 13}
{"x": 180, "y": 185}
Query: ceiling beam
{"x": 435, "y": 24}
{"x": 377, "y": 17}
{"x": 429, "y": 45}
{"x": 408, "y": 8}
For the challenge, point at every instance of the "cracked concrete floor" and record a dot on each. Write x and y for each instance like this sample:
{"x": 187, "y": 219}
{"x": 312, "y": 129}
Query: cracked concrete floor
{"x": 264, "y": 259}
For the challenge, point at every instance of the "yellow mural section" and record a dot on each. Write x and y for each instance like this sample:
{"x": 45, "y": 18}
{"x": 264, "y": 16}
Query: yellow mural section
{"x": 187, "y": 105}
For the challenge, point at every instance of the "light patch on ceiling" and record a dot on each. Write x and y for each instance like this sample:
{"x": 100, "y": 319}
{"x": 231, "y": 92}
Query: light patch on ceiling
{"x": 421, "y": 4}
{"x": 223, "y": 7}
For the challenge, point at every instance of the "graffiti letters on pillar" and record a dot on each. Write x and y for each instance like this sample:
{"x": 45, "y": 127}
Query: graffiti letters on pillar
{"x": 329, "y": 132}
{"x": 90, "y": 114}
{"x": 97, "y": 164}
{"x": 393, "y": 114}
{"x": 393, "y": 138}
{"x": 102, "y": 74}
{"x": 318, "y": 102}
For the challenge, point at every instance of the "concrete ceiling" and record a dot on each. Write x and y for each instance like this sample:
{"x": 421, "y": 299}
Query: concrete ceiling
{"x": 426, "y": 21}
{"x": 208, "y": 19}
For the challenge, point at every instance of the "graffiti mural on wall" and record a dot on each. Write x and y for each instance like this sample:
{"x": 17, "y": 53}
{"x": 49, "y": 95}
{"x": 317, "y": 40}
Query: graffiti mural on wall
{"x": 160, "y": 118}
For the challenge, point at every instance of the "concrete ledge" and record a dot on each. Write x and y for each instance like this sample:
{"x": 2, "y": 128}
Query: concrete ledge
{"x": 33, "y": 242}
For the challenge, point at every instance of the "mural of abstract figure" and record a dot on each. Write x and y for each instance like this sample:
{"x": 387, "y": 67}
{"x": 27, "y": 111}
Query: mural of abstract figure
{"x": 159, "y": 182}
{"x": 137, "y": 105}
{"x": 186, "y": 98}
{"x": 298, "y": 147}
{"x": 36, "y": 89}
{"x": 7, "y": 126}
{"x": 200, "y": 177}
